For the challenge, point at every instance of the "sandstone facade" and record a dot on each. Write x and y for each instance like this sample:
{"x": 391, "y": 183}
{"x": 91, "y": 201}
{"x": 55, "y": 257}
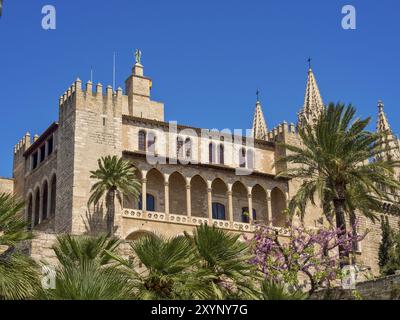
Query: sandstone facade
{"x": 189, "y": 175}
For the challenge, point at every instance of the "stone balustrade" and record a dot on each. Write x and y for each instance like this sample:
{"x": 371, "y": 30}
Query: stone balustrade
{"x": 186, "y": 220}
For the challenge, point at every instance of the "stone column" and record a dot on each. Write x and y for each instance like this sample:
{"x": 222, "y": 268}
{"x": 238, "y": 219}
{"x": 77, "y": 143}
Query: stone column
{"x": 144, "y": 194}
{"x": 188, "y": 198}
{"x": 166, "y": 193}
{"x": 250, "y": 200}
{"x": 269, "y": 208}
{"x": 209, "y": 199}
{"x": 230, "y": 203}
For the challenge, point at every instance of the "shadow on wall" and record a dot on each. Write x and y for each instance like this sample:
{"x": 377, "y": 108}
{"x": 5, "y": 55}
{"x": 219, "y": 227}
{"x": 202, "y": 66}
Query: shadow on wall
{"x": 95, "y": 220}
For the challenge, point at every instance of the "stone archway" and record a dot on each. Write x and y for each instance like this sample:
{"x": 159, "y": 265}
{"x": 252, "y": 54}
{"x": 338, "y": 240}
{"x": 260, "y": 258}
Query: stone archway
{"x": 155, "y": 188}
{"x": 240, "y": 201}
{"x": 130, "y": 201}
{"x": 198, "y": 191}
{"x": 259, "y": 197}
{"x": 177, "y": 194}
{"x": 278, "y": 204}
{"x": 45, "y": 199}
{"x": 219, "y": 199}
{"x": 36, "y": 214}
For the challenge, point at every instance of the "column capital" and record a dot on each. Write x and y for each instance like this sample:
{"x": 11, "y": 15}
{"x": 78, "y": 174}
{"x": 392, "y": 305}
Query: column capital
{"x": 144, "y": 174}
{"x": 166, "y": 177}
{"x": 209, "y": 190}
{"x": 229, "y": 193}
{"x": 144, "y": 180}
{"x": 249, "y": 195}
{"x": 188, "y": 186}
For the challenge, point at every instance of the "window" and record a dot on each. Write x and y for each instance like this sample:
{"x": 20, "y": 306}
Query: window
{"x": 245, "y": 215}
{"x": 142, "y": 140}
{"x": 211, "y": 153}
{"x": 150, "y": 202}
{"x": 179, "y": 148}
{"x": 242, "y": 158}
{"x": 50, "y": 146}
{"x": 42, "y": 152}
{"x": 221, "y": 154}
{"x": 250, "y": 159}
{"x": 151, "y": 142}
{"x": 35, "y": 160}
{"x": 188, "y": 148}
{"x": 218, "y": 211}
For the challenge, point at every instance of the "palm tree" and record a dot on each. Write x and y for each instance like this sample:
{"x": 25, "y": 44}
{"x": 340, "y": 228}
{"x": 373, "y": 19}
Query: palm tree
{"x": 162, "y": 268}
{"x": 18, "y": 272}
{"x": 335, "y": 163}
{"x": 225, "y": 259}
{"x": 211, "y": 264}
{"x": 116, "y": 178}
{"x": 85, "y": 271}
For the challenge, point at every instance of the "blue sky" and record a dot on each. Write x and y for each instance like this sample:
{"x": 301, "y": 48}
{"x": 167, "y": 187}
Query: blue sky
{"x": 206, "y": 58}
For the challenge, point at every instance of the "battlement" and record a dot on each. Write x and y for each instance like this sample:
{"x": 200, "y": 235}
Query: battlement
{"x": 90, "y": 97}
{"x": 23, "y": 144}
{"x": 281, "y": 131}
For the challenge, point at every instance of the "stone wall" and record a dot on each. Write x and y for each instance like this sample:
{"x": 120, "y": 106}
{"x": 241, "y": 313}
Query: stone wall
{"x": 6, "y": 185}
{"x": 387, "y": 288}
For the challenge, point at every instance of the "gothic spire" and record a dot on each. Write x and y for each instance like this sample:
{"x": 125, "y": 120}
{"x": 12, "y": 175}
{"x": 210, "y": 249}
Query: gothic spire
{"x": 391, "y": 143}
{"x": 259, "y": 126}
{"x": 313, "y": 105}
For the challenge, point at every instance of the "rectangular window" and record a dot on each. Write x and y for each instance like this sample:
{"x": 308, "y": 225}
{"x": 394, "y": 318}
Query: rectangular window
{"x": 50, "y": 146}
{"x": 34, "y": 160}
{"x": 42, "y": 152}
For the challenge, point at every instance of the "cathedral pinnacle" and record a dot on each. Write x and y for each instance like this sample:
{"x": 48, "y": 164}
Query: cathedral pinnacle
{"x": 391, "y": 149}
{"x": 313, "y": 105}
{"x": 260, "y": 130}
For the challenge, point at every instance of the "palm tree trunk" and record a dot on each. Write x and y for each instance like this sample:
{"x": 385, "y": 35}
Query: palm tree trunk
{"x": 110, "y": 203}
{"x": 341, "y": 224}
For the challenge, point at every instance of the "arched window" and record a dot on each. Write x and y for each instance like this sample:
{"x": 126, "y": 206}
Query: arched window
{"x": 37, "y": 208}
{"x": 150, "y": 202}
{"x": 45, "y": 198}
{"x": 179, "y": 148}
{"x": 242, "y": 158}
{"x": 53, "y": 196}
{"x": 188, "y": 148}
{"x": 218, "y": 211}
{"x": 142, "y": 140}
{"x": 245, "y": 215}
{"x": 211, "y": 153}
{"x": 29, "y": 213}
{"x": 250, "y": 159}
{"x": 221, "y": 154}
{"x": 151, "y": 143}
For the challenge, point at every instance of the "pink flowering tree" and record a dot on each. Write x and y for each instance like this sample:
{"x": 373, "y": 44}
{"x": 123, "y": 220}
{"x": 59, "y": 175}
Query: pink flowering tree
{"x": 301, "y": 254}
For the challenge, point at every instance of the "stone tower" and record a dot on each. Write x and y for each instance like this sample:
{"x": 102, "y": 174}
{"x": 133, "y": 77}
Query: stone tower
{"x": 313, "y": 105}
{"x": 259, "y": 129}
{"x": 90, "y": 127}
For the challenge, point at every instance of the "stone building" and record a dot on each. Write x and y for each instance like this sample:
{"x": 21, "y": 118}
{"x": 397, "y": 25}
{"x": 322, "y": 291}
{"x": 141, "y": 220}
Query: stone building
{"x": 189, "y": 175}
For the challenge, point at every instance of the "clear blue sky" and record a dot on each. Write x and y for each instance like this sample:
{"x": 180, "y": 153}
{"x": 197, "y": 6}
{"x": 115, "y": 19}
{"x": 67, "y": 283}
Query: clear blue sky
{"x": 206, "y": 58}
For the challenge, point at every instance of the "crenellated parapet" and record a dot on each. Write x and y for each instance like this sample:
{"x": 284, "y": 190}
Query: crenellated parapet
{"x": 91, "y": 97}
{"x": 282, "y": 132}
{"x": 23, "y": 144}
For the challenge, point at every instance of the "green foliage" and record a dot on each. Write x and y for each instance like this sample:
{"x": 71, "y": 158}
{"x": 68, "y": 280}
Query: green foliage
{"x": 389, "y": 250}
{"x": 18, "y": 272}
{"x": 386, "y": 243}
{"x": 116, "y": 178}
{"x": 271, "y": 290}
{"x": 85, "y": 271}
{"x": 211, "y": 264}
{"x": 335, "y": 165}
